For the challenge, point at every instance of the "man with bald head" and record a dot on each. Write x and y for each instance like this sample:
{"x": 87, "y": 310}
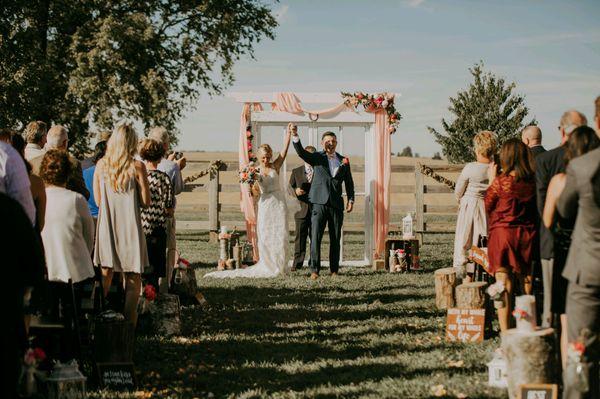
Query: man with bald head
{"x": 531, "y": 136}
{"x": 547, "y": 165}
{"x": 58, "y": 138}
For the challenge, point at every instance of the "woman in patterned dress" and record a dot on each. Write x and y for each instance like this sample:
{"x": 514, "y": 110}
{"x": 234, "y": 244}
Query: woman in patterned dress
{"x": 154, "y": 216}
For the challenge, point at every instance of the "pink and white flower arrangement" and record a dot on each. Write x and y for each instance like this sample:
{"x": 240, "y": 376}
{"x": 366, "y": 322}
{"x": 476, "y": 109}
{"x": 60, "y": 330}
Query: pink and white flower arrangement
{"x": 373, "y": 102}
{"x": 249, "y": 174}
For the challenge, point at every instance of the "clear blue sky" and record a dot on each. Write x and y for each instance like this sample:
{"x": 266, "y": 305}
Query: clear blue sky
{"x": 421, "y": 49}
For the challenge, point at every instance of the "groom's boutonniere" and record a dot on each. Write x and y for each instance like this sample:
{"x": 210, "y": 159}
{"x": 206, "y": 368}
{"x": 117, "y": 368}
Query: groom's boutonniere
{"x": 346, "y": 161}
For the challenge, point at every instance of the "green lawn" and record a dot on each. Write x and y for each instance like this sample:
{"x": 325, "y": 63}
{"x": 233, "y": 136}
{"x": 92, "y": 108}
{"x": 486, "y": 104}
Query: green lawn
{"x": 362, "y": 334}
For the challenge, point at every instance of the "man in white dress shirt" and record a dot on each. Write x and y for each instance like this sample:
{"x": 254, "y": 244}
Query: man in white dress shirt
{"x": 35, "y": 134}
{"x": 14, "y": 179}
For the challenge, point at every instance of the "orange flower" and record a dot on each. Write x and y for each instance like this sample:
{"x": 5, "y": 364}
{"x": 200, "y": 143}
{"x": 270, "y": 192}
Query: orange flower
{"x": 244, "y": 175}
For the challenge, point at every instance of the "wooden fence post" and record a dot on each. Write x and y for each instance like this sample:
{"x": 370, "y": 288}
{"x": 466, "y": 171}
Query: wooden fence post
{"x": 213, "y": 205}
{"x": 419, "y": 202}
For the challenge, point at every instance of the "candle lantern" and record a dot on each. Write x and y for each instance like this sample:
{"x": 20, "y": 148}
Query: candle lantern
{"x": 66, "y": 381}
{"x": 407, "y": 226}
{"x": 497, "y": 371}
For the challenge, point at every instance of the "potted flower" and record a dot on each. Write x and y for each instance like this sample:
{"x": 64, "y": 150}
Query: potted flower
{"x": 31, "y": 360}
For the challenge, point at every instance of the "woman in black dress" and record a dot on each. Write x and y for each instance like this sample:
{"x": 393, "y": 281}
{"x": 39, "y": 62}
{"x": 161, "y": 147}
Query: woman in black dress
{"x": 582, "y": 140}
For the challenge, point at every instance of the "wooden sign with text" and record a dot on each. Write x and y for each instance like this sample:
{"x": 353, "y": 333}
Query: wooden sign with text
{"x": 465, "y": 325}
{"x": 538, "y": 391}
{"x": 117, "y": 376}
{"x": 479, "y": 256}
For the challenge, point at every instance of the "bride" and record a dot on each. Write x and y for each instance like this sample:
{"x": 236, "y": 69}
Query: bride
{"x": 272, "y": 226}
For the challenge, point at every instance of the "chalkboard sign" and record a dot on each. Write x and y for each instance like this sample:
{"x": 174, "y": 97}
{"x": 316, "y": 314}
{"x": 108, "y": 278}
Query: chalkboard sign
{"x": 465, "y": 325}
{"x": 538, "y": 391}
{"x": 116, "y": 376}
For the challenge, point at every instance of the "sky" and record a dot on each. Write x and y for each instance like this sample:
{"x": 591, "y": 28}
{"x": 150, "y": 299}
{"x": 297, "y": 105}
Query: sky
{"x": 421, "y": 49}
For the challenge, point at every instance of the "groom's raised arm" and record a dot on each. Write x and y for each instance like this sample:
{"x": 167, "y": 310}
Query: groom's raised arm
{"x": 308, "y": 157}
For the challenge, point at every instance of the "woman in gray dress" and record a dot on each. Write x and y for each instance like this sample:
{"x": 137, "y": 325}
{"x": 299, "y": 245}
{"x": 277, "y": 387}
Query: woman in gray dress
{"x": 120, "y": 188}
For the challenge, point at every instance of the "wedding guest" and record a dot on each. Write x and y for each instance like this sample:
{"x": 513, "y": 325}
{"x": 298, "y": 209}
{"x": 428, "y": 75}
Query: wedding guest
{"x": 581, "y": 197}
{"x": 38, "y": 191}
{"x": 91, "y": 160}
{"x": 582, "y": 140}
{"x": 597, "y": 115}
{"x": 172, "y": 167}
{"x": 35, "y": 135}
{"x": 300, "y": 181}
{"x": 88, "y": 177}
{"x": 154, "y": 217}
{"x": 14, "y": 179}
{"x": 531, "y": 136}
{"x": 470, "y": 189}
{"x": 120, "y": 188}
{"x": 547, "y": 165}
{"x": 58, "y": 138}
{"x": 6, "y": 135}
{"x": 512, "y": 222}
{"x": 24, "y": 260}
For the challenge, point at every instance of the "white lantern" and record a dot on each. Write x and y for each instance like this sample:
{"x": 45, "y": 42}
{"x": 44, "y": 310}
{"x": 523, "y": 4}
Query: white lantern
{"x": 497, "y": 376}
{"x": 66, "y": 381}
{"x": 407, "y": 226}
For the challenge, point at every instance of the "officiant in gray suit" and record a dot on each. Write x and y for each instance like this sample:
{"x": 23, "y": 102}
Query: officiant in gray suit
{"x": 300, "y": 181}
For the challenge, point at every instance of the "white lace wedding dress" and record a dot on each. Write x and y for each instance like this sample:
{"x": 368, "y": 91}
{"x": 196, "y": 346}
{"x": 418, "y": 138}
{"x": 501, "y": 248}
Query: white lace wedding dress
{"x": 272, "y": 231}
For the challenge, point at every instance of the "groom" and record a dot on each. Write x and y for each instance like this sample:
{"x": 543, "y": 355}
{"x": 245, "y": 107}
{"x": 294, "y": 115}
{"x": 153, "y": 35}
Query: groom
{"x": 330, "y": 170}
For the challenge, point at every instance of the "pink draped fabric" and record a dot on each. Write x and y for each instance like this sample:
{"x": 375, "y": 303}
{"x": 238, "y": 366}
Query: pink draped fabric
{"x": 246, "y": 200}
{"x": 289, "y": 102}
{"x": 381, "y": 196}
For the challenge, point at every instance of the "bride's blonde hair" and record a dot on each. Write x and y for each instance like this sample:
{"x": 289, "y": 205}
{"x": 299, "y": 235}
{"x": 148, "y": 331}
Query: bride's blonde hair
{"x": 119, "y": 161}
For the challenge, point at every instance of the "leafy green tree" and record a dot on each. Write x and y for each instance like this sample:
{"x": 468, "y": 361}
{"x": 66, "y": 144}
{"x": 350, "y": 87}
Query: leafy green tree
{"x": 91, "y": 63}
{"x": 406, "y": 152}
{"x": 487, "y": 104}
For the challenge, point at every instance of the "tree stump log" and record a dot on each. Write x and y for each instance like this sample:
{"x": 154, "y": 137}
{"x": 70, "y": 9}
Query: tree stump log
{"x": 471, "y": 295}
{"x": 529, "y": 357}
{"x": 445, "y": 282}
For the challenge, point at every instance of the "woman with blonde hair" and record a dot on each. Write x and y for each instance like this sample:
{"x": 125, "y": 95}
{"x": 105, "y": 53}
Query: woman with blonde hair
{"x": 120, "y": 184}
{"x": 272, "y": 225}
{"x": 470, "y": 189}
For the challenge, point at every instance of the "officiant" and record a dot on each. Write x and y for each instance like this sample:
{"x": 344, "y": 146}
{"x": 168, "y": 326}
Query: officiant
{"x": 300, "y": 181}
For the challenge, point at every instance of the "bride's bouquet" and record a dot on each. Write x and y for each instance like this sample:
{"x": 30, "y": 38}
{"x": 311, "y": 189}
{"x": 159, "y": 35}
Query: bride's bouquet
{"x": 249, "y": 174}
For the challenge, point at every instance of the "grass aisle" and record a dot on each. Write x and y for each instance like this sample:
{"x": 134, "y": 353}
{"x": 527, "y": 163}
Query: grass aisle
{"x": 362, "y": 334}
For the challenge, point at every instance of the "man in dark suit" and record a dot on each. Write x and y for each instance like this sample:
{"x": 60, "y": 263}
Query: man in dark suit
{"x": 547, "y": 165}
{"x": 581, "y": 199}
{"x": 531, "y": 136}
{"x": 330, "y": 171}
{"x": 300, "y": 181}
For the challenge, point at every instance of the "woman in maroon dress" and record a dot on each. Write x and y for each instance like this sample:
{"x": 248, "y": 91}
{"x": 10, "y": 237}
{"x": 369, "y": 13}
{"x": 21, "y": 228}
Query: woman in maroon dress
{"x": 512, "y": 222}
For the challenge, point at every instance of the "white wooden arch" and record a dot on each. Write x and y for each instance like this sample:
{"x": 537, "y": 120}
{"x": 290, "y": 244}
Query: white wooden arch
{"x": 361, "y": 119}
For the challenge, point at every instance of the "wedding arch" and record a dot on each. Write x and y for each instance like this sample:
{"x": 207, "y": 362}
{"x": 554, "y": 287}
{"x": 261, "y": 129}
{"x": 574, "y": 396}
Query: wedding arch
{"x": 374, "y": 113}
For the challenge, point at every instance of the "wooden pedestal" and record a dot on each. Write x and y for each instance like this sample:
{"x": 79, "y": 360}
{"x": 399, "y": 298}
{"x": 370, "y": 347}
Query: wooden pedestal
{"x": 445, "y": 282}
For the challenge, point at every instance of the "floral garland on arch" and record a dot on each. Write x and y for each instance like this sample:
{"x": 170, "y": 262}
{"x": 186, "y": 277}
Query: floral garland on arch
{"x": 249, "y": 137}
{"x": 374, "y": 102}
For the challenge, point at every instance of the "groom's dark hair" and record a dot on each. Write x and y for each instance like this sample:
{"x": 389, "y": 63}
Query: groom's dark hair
{"x": 328, "y": 134}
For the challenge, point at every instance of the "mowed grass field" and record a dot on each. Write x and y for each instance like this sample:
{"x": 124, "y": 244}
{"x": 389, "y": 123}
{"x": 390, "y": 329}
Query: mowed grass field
{"x": 364, "y": 334}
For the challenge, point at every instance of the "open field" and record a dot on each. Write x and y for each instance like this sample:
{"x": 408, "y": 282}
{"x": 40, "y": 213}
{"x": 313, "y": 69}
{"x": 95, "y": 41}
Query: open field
{"x": 363, "y": 334}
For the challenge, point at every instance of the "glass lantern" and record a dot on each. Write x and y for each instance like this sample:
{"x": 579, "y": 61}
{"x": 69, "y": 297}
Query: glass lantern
{"x": 66, "y": 381}
{"x": 407, "y": 226}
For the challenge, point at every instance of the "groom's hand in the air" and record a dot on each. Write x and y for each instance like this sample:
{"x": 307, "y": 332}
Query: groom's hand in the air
{"x": 349, "y": 206}
{"x": 293, "y": 129}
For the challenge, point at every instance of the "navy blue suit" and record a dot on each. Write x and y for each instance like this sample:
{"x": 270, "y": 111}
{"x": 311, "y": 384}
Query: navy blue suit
{"x": 327, "y": 204}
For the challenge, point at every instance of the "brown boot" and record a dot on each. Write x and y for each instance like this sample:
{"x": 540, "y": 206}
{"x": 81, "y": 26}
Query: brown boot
{"x": 334, "y": 274}
{"x": 314, "y": 276}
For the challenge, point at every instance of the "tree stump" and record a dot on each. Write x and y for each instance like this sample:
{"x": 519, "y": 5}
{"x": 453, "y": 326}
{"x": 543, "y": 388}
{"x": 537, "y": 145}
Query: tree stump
{"x": 445, "y": 282}
{"x": 471, "y": 295}
{"x": 529, "y": 357}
